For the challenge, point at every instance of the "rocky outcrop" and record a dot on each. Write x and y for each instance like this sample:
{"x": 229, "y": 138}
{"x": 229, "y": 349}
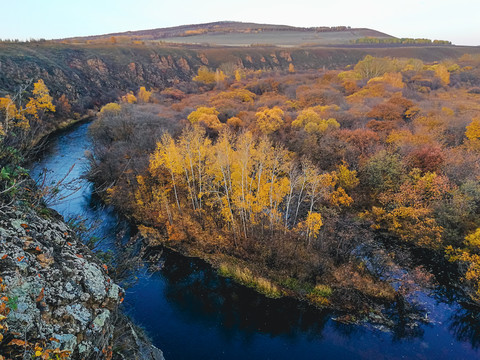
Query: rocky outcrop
{"x": 58, "y": 293}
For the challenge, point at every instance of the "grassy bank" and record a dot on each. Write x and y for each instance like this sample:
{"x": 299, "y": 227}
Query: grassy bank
{"x": 329, "y": 293}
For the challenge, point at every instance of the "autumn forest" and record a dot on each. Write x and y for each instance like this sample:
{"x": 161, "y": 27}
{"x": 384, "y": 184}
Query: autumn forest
{"x": 229, "y": 190}
{"x": 285, "y": 181}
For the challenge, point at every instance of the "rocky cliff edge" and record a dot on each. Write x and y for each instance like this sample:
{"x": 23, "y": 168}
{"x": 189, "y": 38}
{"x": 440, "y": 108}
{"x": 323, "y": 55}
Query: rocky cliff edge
{"x": 55, "y": 294}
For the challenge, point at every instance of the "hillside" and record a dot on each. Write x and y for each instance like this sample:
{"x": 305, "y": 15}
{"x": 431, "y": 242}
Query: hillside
{"x": 93, "y": 74}
{"x": 229, "y": 33}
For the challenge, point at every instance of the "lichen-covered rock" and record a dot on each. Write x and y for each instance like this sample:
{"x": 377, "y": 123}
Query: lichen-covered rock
{"x": 58, "y": 292}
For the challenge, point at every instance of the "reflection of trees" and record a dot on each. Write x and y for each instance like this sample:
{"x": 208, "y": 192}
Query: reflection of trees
{"x": 406, "y": 319}
{"x": 465, "y": 324}
{"x": 201, "y": 294}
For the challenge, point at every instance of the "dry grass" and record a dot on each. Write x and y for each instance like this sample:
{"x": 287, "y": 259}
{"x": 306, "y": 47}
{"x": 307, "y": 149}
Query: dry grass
{"x": 245, "y": 277}
{"x": 319, "y": 295}
{"x": 349, "y": 277}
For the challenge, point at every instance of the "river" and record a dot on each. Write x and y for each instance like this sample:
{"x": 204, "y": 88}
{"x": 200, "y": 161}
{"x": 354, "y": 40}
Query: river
{"x": 192, "y": 313}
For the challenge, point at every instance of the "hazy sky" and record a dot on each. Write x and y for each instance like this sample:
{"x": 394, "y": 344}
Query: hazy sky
{"x": 457, "y": 21}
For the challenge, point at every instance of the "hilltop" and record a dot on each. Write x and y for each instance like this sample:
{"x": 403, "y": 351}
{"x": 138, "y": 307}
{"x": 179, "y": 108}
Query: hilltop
{"x": 230, "y": 33}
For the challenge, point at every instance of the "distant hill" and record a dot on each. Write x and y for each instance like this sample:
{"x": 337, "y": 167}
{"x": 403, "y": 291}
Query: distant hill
{"x": 91, "y": 71}
{"x": 229, "y": 33}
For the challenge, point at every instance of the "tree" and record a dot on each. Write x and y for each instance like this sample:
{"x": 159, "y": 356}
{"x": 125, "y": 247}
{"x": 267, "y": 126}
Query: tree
{"x": 312, "y": 123}
{"x": 10, "y": 113}
{"x": 473, "y": 129}
{"x": 313, "y": 224}
{"x": 269, "y": 120}
{"x": 371, "y": 67}
{"x": 239, "y": 95}
{"x": 346, "y": 178}
{"x": 393, "y": 79}
{"x": 383, "y": 172}
{"x": 306, "y": 116}
{"x": 362, "y": 142}
{"x": 409, "y": 211}
{"x": 469, "y": 259}
{"x": 129, "y": 98}
{"x": 442, "y": 73}
{"x": 219, "y": 76}
{"x": 291, "y": 68}
{"x": 63, "y": 106}
{"x": 206, "y": 76}
{"x": 235, "y": 122}
{"x": 239, "y": 74}
{"x": 22, "y": 115}
{"x": 322, "y": 126}
{"x": 428, "y": 158}
{"x": 207, "y": 117}
{"x": 41, "y": 101}
{"x": 144, "y": 95}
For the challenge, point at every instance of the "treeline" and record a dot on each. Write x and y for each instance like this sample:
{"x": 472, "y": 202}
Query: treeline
{"x": 260, "y": 29}
{"x": 402, "y": 41}
{"x": 283, "y": 171}
{"x": 16, "y": 41}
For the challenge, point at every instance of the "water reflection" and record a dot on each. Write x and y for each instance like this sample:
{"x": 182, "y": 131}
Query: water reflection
{"x": 465, "y": 325}
{"x": 194, "y": 289}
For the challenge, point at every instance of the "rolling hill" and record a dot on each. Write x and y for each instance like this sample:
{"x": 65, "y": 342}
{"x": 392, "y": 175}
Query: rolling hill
{"x": 229, "y": 33}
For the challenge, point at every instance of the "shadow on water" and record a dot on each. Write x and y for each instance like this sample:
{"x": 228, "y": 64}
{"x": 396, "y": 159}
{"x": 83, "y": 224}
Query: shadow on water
{"x": 465, "y": 325}
{"x": 216, "y": 318}
{"x": 194, "y": 289}
{"x": 192, "y": 313}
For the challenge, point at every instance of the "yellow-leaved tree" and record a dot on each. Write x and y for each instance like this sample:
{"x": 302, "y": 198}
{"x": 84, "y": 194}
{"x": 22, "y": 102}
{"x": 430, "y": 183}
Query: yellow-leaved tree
{"x": 469, "y": 260}
{"x": 41, "y": 101}
{"x": 269, "y": 120}
{"x": 371, "y": 67}
{"x": 442, "y": 73}
{"x": 144, "y": 95}
{"x": 312, "y": 122}
{"x": 206, "y": 116}
{"x": 473, "y": 129}
{"x": 239, "y": 74}
{"x": 313, "y": 223}
{"x": 232, "y": 188}
{"x": 17, "y": 114}
{"x": 113, "y": 108}
{"x": 129, "y": 98}
{"x": 209, "y": 77}
{"x": 10, "y": 114}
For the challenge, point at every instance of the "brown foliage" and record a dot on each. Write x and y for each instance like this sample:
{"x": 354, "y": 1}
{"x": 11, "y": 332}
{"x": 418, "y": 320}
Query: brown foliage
{"x": 428, "y": 158}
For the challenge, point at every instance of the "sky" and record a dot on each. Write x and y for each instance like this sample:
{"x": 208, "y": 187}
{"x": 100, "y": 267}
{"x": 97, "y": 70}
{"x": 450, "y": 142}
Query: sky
{"x": 457, "y": 21}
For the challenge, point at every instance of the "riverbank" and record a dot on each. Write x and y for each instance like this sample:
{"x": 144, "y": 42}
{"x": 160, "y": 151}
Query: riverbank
{"x": 57, "y": 298}
{"x": 360, "y": 298}
{"x": 59, "y": 126}
{"x": 190, "y": 312}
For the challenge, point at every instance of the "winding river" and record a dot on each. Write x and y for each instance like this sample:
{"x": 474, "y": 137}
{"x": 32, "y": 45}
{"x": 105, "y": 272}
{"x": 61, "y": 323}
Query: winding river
{"x": 191, "y": 313}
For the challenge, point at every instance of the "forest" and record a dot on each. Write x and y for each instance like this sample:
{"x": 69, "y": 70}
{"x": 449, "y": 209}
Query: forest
{"x": 289, "y": 181}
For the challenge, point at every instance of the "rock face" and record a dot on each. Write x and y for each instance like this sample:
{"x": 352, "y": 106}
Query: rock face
{"x": 58, "y": 292}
